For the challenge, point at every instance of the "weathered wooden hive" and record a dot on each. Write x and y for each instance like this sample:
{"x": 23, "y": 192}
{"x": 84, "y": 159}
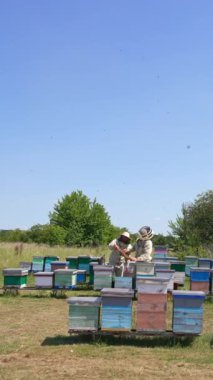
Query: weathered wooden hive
{"x": 72, "y": 262}
{"x": 169, "y": 274}
{"x": 116, "y": 309}
{"x": 188, "y": 312}
{"x": 160, "y": 252}
{"x": 162, "y": 265}
{"x": 151, "y": 311}
{"x": 83, "y": 263}
{"x": 144, "y": 269}
{"x": 152, "y": 285}
{"x": 84, "y": 313}
{"x": 123, "y": 282}
{"x": 205, "y": 263}
{"x": 26, "y": 265}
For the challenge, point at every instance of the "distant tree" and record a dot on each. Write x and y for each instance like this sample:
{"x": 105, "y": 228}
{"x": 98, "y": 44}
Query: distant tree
{"x": 47, "y": 234}
{"x": 86, "y": 222}
{"x": 195, "y": 226}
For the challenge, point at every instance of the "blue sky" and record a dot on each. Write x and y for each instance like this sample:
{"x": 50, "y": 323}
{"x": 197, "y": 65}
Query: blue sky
{"x": 111, "y": 97}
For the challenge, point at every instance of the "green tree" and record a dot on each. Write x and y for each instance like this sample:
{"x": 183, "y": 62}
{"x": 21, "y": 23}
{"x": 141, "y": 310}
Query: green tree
{"x": 86, "y": 222}
{"x": 195, "y": 226}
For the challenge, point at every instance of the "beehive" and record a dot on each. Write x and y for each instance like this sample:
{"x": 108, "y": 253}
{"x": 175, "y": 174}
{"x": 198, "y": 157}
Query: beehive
{"x": 144, "y": 269}
{"x": 81, "y": 276}
{"x": 169, "y": 274}
{"x": 15, "y": 277}
{"x": 160, "y": 252}
{"x": 97, "y": 259}
{"x": 83, "y": 263}
{"x": 102, "y": 276}
{"x": 37, "y": 264}
{"x": 123, "y": 282}
{"x": 200, "y": 279}
{"x": 47, "y": 262}
{"x": 65, "y": 278}
{"x": 152, "y": 285}
{"x": 58, "y": 265}
{"x": 26, "y": 265}
{"x": 204, "y": 263}
{"x": 72, "y": 262}
{"x": 161, "y": 265}
{"x": 116, "y": 309}
{"x": 43, "y": 280}
{"x": 84, "y": 313}
{"x": 91, "y": 272}
{"x": 188, "y": 312}
{"x": 179, "y": 267}
{"x": 151, "y": 312}
{"x": 191, "y": 261}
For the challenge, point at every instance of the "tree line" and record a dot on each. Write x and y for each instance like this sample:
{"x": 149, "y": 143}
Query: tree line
{"x": 78, "y": 221}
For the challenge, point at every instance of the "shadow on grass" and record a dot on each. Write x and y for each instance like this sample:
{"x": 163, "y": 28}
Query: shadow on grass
{"x": 144, "y": 341}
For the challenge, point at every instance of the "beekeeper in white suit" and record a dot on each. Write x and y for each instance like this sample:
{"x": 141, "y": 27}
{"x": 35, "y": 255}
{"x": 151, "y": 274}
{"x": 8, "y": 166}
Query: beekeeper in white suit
{"x": 143, "y": 245}
{"x": 120, "y": 248}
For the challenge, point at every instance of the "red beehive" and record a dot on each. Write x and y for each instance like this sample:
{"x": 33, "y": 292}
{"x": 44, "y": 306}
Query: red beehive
{"x": 200, "y": 286}
{"x": 151, "y": 312}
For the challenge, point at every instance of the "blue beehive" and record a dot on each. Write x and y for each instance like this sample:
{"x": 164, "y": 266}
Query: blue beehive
{"x": 188, "y": 312}
{"x": 116, "y": 309}
{"x": 81, "y": 276}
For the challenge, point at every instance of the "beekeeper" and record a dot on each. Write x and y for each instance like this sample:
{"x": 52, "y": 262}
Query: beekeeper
{"x": 120, "y": 248}
{"x": 143, "y": 245}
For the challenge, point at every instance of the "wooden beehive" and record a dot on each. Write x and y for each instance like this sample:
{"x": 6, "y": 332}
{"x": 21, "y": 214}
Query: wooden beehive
{"x": 47, "y": 262}
{"x": 102, "y": 276}
{"x": 15, "y": 277}
{"x": 58, "y": 265}
{"x": 151, "y": 312}
{"x": 152, "y": 285}
{"x": 37, "y": 264}
{"x": 187, "y": 312}
{"x": 84, "y": 313}
{"x": 167, "y": 273}
{"x": 83, "y": 263}
{"x": 204, "y": 263}
{"x": 160, "y": 252}
{"x": 26, "y": 265}
{"x": 116, "y": 309}
{"x": 200, "y": 279}
{"x": 81, "y": 276}
{"x": 161, "y": 265}
{"x": 191, "y": 261}
{"x": 179, "y": 267}
{"x": 91, "y": 272}
{"x": 123, "y": 282}
{"x": 144, "y": 269}
{"x": 72, "y": 262}
{"x": 43, "y": 280}
{"x": 65, "y": 278}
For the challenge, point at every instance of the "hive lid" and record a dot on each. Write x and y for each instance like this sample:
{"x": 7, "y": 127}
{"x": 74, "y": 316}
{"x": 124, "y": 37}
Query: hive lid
{"x": 81, "y": 271}
{"x": 59, "y": 262}
{"x": 165, "y": 271}
{"x": 188, "y": 293}
{"x": 66, "y": 271}
{"x": 152, "y": 279}
{"x": 103, "y": 268}
{"x": 84, "y": 301}
{"x": 71, "y": 257}
{"x": 51, "y": 257}
{"x": 200, "y": 269}
{"x": 44, "y": 274}
{"x": 117, "y": 292}
{"x": 15, "y": 272}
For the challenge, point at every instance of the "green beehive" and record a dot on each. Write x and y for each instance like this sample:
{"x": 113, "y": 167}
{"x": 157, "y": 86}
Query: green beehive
{"x": 83, "y": 263}
{"x": 37, "y": 264}
{"x": 91, "y": 272}
{"x": 65, "y": 278}
{"x": 84, "y": 313}
{"x": 15, "y": 277}
{"x": 178, "y": 266}
{"x": 72, "y": 262}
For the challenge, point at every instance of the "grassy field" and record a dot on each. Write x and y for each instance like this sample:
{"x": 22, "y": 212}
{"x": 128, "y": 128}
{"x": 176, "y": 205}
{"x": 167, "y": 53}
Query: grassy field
{"x": 34, "y": 342}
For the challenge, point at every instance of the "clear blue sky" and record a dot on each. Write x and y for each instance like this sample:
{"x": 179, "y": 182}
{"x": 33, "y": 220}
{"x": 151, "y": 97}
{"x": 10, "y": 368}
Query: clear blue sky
{"x": 112, "y": 97}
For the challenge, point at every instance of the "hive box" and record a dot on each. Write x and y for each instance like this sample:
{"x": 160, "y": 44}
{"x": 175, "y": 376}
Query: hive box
{"x": 179, "y": 267}
{"x": 37, "y": 264}
{"x": 26, "y": 265}
{"x": 116, "y": 309}
{"x": 187, "y": 312}
{"x": 191, "y": 261}
{"x": 200, "y": 279}
{"x": 123, "y": 282}
{"x": 81, "y": 276}
{"x": 72, "y": 262}
{"x": 144, "y": 269}
{"x": 152, "y": 285}
{"x": 15, "y": 277}
{"x": 47, "y": 262}
{"x": 58, "y": 265}
{"x": 65, "y": 278}
{"x": 160, "y": 252}
{"x": 83, "y": 263}
{"x": 84, "y": 313}
{"x": 151, "y": 312}
{"x": 91, "y": 272}
{"x": 169, "y": 274}
{"x": 161, "y": 265}
{"x": 102, "y": 276}
{"x": 43, "y": 280}
{"x": 204, "y": 263}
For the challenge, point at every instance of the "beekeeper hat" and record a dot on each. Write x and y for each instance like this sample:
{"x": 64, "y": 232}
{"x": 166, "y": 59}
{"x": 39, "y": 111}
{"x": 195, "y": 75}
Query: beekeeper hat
{"x": 126, "y": 234}
{"x": 145, "y": 233}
